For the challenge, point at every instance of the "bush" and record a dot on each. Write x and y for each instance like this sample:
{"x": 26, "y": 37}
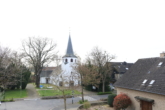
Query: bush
{"x": 121, "y": 101}
{"x": 102, "y": 93}
{"x": 86, "y": 105}
{"x": 111, "y": 99}
{"x": 85, "y": 100}
{"x": 7, "y": 100}
{"x": 81, "y": 102}
{"x": 104, "y": 99}
{"x": 88, "y": 87}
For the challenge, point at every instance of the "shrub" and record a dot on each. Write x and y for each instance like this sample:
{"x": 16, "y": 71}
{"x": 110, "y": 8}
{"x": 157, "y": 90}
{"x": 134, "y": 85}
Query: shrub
{"x": 81, "y": 102}
{"x": 104, "y": 99}
{"x": 102, "y": 93}
{"x": 88, "y": 87}
{"x": 8, "y": 100}
{"x": 111, "y": 99}
{"x": 86, "y": 105}
{"x": 121, "y": 101}
{"x": 85, "y": 100}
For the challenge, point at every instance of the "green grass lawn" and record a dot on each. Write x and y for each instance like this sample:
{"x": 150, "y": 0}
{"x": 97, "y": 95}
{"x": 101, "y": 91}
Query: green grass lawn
{"x": 9, "y": 94}
{"x": 56, "y": 92}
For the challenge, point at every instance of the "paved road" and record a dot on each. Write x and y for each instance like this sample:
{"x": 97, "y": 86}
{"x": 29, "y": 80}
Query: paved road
{"x": 33, "y": 101}
{"x": 50, "y": 104}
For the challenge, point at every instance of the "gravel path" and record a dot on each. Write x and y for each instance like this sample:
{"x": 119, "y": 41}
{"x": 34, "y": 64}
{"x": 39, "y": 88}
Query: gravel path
{"x": 32, "y": 93}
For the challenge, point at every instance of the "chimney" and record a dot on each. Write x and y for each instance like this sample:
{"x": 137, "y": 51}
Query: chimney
{"x": 162, "y": 55}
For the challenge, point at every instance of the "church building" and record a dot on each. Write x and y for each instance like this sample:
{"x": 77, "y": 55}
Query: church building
{"x": 69, "y": 60}
{"x": 65, "y": 74}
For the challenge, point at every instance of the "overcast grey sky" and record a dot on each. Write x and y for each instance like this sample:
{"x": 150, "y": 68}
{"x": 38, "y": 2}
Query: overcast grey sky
{"x": 130, "y": 29}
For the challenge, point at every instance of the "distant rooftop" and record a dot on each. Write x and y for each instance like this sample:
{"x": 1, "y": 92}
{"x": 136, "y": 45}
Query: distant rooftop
{"x": 121, "y": 67}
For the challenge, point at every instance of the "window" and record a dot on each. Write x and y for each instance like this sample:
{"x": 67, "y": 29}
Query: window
{"x": 66, "y": 60}
{"x": 71, "y": 83}
{"x": 152, "y": 81}
{"x": 71, "y": 60}
{"x": 79, "y": 82}
{"x": 144, "y": 81}
{"x": 60, "y": 83}
{"x": 160, "y": 64}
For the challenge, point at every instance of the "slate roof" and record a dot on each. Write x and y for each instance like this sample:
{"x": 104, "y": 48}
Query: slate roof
{"x": 121, "y": 67}
{"x": 69, "y": 51}
{"x": 47, "y": 71}
{"x": 148, "y": 69}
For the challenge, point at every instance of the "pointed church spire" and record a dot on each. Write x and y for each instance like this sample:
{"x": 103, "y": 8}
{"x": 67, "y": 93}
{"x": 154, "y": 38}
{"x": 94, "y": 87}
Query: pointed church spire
{"x": 69, "y": 51}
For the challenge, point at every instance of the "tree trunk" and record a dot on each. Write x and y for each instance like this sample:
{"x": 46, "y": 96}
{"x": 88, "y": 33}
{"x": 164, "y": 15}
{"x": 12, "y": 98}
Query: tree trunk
{"x": 35, "y": 77}
{"x": 82, "y": 93}
{"x": 37, "y": 72}
{"x": 37, "y": 81}
{"x": 103, "y": 86}
{"x": 64, "y": 101}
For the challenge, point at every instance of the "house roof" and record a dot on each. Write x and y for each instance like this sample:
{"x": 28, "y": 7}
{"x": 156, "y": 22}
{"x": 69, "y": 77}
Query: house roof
{"x": 69, "y": 51}
{"x": 121, "y": 67}
{"x": 47, "y": 71}
{"x": 146, "y": 75}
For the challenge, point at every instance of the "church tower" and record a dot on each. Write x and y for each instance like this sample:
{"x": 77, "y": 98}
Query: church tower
{"x": 69, "y": 57}
{"x": 68, "y": 62}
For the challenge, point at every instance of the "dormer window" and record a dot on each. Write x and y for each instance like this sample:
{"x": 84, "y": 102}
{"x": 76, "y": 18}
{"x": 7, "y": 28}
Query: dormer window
{"x": 152, "y": 81}
{"x": 144, "y": 81}
{"x": 160, "y": 64}
{"x": 71, "y": 60}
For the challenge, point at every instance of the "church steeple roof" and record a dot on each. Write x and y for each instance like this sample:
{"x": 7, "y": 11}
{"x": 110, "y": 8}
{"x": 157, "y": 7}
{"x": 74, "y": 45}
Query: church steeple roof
{"x": 69, "y": 51}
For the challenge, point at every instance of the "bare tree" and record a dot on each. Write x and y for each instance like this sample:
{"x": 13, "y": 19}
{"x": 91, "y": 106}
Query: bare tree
{"x": 88, "y": 75}
{"x": 39, "y": 52}
{"x": 100, "y": 58}
{"x": 62, "y": 81}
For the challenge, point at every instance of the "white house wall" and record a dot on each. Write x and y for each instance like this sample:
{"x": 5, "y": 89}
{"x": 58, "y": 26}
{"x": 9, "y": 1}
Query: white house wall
{"x": 43, "y": 80}
{"x": 158, "y": 99}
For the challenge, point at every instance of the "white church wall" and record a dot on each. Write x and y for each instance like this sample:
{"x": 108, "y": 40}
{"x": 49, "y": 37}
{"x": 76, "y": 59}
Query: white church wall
{"x": 67, "y": 68}
{"x": 43, "y": 80}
